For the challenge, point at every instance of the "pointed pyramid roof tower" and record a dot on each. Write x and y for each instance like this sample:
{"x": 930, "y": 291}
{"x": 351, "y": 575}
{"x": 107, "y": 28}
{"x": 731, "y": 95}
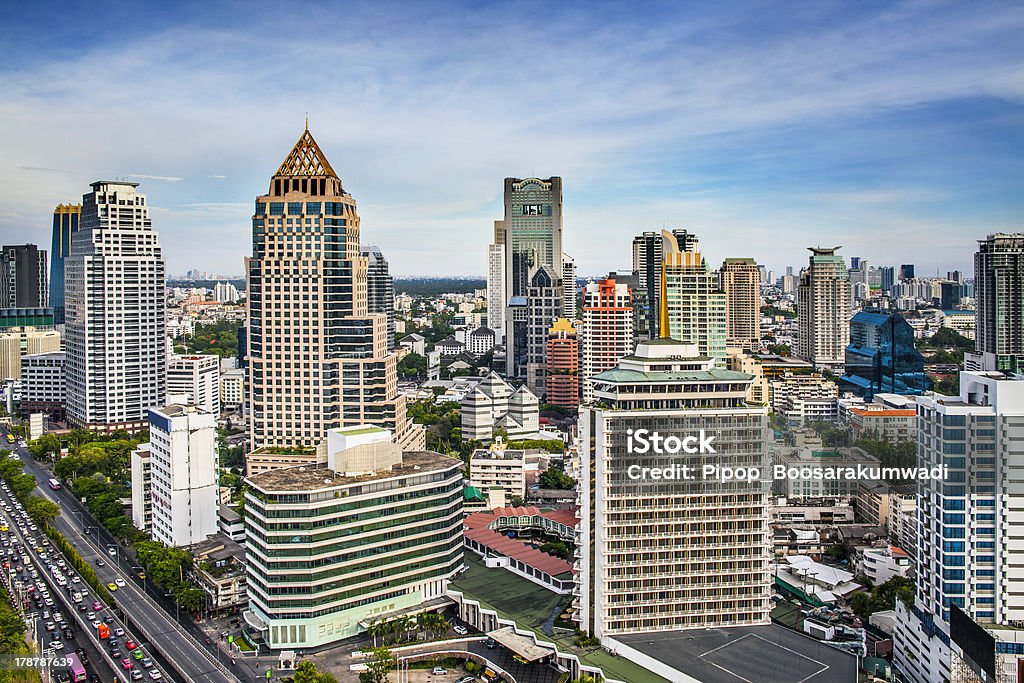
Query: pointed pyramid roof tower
{"x": 306, "y": 159}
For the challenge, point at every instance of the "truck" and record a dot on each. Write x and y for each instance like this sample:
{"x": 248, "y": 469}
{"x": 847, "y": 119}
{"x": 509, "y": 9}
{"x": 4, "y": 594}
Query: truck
{"x": 104, "y": 631}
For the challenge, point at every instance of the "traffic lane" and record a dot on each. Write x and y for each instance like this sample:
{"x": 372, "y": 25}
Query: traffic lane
{"x": 136, "y": 606}
{"x": 40, "y": 617}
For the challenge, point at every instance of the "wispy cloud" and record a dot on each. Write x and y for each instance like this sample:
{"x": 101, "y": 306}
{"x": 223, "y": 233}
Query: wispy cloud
{"x": 164, "y": 178}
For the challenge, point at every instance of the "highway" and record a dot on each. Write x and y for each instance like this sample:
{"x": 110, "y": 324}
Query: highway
{"x": 191, "y": 660}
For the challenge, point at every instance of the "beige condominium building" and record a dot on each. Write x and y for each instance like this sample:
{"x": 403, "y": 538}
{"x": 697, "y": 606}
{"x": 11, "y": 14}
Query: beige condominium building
{"x": 823, "y": 309}
{"x": 670, "y": 554}
{"x": 317, "y": 358}
{"x": 740, "y": 279}
{"x": 692, "y": 302}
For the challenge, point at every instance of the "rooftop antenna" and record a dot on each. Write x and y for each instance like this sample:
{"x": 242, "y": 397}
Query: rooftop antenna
{"x": 307, "y": 121}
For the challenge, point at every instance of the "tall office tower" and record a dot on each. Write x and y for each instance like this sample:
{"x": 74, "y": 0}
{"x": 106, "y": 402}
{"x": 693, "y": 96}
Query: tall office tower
{"x": 23, "y": 277}
{"x": 970, "y": 556}
{"x": 887, "y": 276}
{"x": 693, "y": 307}
{"x": 563, "y": 358}
{"x": 955, "y": 276}
{"x": 860, "y": 284}
{"x": 823, "y": 309}
{"x": 570, "y": 298}
{"x": 606, "y": 334}
{"x": 115, "y": 305}
{"x": 647, "y": 263}
{"x": 65, "y": 225}
{"x": 854, "y": 262}
{"x": 194, "y": 380}
{"x": 907, "y": 271}
{"x": 881, "y": 357}
{"x": 999, "y": 292}
{"x": 181, "y": 492}
{"x": 386, "y": 539}
{"x": 638, "y": 300}
{"x": 789, "y": 270}
{"x": 317, "y": 358}
{"x": 532, "y": 237}
{"x": 738, "y": 278}
{"x": 380, "y": 288}
{"x": 662, "y": 555}
{"x": 496, "y": 299}
{"x": 543, "y": 307}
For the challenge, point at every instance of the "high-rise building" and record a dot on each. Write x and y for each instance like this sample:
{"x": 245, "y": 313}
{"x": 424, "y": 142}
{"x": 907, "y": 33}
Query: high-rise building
{"x": 738, "y": 278}
{"x": 606, "y": 334}
{"x": 115, "y": 306}
{"x": 570, "y": 299}
{"x": 543, "y": 307}
{"x": 387, "y": 538}
{"x": 42, "y": 384}
{"x": 532, "y": 238}
{"x": 907, "y": 271}
{"x": 225, "y": 292}
{"x": 970, "y": 561}
{"x": 823, "y": 309}
{"x": 648, "y": 250}
{"x": 999, "y": 292}
{"x": 380, "y": 288}
{"x": 182, "y": 487}
{"x": 496, "y": 299}
{"x": 562, "y": 383}
{"x": 660, "y": 554}
{"x": 881, "y": 356}
{"x": 195, "y": 380}
{"x": 638, "y": 300}
{"x": 317, "y": 357}
{"x": 65, "y": 225}
{"x": 693, "y": 307}
{"x": 888, "y": 279}
{"x": 23, "y": 277}
{"x": 16, "y": 342}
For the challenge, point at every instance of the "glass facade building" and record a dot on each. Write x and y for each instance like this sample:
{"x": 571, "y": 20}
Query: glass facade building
{"x": 65, "y": 224}
{"x": 881, "y": 357}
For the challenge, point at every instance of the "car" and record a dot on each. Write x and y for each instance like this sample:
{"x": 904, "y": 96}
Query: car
{"x": 113, "y": 642}
{"x": 97, "y": 605}
{"x": 119, "y": 632}
{"x": 94, "y": 678}
{"x": 137, "y": 655}
{"x": 491, "y": 644}
{"x": 91, "y": 616}
{"x": 439, "y": 671}
{"x": 466, "y": 679}
{"x": 126, "y": 664}
{"x": 147, "y": 663}
{"x": 82, "y": 607}
{"x": 100, "y": 563}
{"x": 112, "y": 586}
{"x": 68, "y": 634}
{"x": 155, "y": 675}
{"x": 46, "y": 614}
{"x": 75, "y": 579}
{"x": 82, "y": 655}
{"x": 461, "y": 630}
{"x": 142, "y": 575}
{"x": 50, "y": 626}
{"x": 56, "y": 645}
{"x": 112, "y": 550}
{"x": 136, "y": 675}
{"x": 95, "y": 622}
{"x": 116, "y": 653}
{"x": 57, "y": 616}
{"x": 119, "y": 581}
{"x": 130, "y": 644}
{"x": 63, "y": 677}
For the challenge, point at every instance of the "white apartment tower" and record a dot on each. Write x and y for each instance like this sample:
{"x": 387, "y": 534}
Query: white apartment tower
{"x": 115, "y": 308}
{"x": 970, "y": 546}
{"x": 571, "y": 297}
{"x": 823, "y": 309}
{"x": 659, "y": 554}
{"x": 197, "y": 379}
{"x": 496, "y": 299}
{"x": 183, "y": 481}
{"x": 318, "y": 359}
{"x": 606, "y": 334}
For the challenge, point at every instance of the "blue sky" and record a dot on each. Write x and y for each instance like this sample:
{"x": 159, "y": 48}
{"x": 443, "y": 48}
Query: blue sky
{"x": 894, "y": 129}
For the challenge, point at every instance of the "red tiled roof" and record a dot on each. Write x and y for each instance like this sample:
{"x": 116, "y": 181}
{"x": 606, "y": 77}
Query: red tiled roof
{"x": 477, "y": 528}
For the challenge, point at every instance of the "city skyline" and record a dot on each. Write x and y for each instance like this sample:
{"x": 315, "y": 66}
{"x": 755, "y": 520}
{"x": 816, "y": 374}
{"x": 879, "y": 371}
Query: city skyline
{"x": 906, "y": 128}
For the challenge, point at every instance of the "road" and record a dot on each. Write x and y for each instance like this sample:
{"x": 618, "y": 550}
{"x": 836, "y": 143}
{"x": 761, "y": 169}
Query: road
{"x": 188, "y": 657}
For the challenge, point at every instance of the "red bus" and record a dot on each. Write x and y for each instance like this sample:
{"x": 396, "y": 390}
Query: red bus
{"x": 54, "y": 484}
{"x": 75, "y": 668}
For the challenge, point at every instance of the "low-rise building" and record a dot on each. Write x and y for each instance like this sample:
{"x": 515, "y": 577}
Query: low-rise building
{"x": 142, "y": 503}
{"x": 803, "y": 398}
{"x": 232, "y": 388}
{"x": 872, "y": 501}
{"x": 882, "y": 563}
{"x": 508, "y": 469}
{"x": 219, "y": 569}
{"x": 230, "y": 523}
{"x": 42, "y": 384}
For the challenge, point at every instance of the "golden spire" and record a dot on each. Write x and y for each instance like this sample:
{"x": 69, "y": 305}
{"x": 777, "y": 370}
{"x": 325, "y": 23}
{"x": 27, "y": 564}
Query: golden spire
{"x": 307, "y": 120}
{"x": 306, "y": 159}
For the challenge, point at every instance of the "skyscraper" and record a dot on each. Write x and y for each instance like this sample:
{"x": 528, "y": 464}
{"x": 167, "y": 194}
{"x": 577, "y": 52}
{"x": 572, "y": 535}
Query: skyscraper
{"x": 907, "y": 271}
{"x": 318, "y": 358}
{"x": 563, "y": 358}
{"x": 881, "y": 356}
{"x": 969, "y": 557}
{"x": 531, "y": 233}
{"x": 23, "y": 277}
{"x": 888, "y": 279}
{"x": 740, "y": 280}
{"x": 607, "y": 331}
{"x": 999, "y": 291}
{"x": 115, "y": 306}
{"x": 693, "y": 307}
{"x": 65, "y": 225}
{"x": 496, "y": 299}
{"x": 380, "y": 288}
{"x": 648, "y": 248}
{"x": 543, "y": 307}
{"x": 823, "y": 309}
{"x": 570, "y": 298}
{"x": 661, "y": 554}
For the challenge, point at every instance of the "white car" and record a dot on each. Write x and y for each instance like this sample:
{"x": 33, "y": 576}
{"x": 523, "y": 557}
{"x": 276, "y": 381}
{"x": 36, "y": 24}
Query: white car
{"x": 155, "y": 675}
{"x": 119, "y": 582}
{"x": 461, "y": 630}
{"x": 56, "y": 645}
{"x": 75, "y": 579}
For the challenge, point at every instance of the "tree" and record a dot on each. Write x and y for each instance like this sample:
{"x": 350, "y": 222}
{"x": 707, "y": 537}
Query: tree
{"x": 307, "y": 672}
{"x": 381, "y": 663}
{"x": 556, "y": 478}
{"x": 41, "y": 510}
